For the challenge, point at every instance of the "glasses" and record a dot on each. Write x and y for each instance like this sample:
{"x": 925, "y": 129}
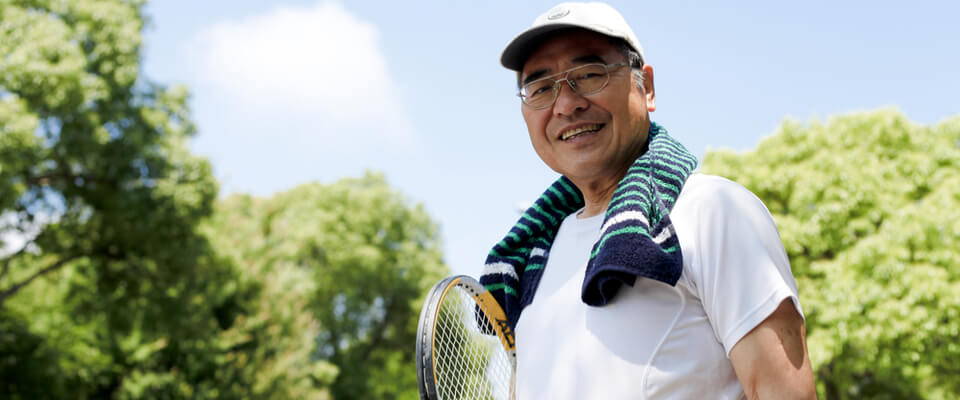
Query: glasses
{"x": 584, "y": 80}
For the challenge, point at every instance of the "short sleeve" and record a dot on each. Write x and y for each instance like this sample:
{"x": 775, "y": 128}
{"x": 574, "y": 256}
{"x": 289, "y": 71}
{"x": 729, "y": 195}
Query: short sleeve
{"x": 733, "y": 255}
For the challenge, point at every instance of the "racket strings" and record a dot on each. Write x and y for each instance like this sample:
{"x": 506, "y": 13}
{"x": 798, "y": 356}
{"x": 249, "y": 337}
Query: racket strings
{"x": 469, "y": 360}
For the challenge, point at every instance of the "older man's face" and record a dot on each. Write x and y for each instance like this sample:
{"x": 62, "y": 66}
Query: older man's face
{"x": 614, "y": 121}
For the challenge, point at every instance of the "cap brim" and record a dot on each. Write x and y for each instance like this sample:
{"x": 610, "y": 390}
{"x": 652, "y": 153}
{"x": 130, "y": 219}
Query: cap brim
{"x": 517, "y": 51}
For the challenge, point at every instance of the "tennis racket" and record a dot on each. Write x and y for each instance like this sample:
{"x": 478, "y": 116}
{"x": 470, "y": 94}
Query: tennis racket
{"x": 465, "y": 347}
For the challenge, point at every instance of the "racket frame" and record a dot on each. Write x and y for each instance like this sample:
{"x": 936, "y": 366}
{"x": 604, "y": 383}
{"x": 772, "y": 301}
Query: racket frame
{"x": 426, "y": 368}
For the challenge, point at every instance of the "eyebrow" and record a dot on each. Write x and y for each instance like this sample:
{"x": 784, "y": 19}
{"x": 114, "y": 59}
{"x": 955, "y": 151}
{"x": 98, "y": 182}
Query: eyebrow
{"x": 587, "y": 59}
{"x": 534, "y": 76}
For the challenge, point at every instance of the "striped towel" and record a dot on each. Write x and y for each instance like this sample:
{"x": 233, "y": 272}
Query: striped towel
{"x": 637, "y": 238}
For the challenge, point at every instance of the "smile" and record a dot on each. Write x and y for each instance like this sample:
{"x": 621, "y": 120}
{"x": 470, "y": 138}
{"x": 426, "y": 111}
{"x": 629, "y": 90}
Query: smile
{"x": 572, "y": 133}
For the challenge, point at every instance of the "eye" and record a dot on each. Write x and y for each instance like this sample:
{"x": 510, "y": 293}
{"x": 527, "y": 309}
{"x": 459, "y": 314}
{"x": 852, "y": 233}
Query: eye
{"x": 588, "y": 75}
{"x": 537, "y": 88}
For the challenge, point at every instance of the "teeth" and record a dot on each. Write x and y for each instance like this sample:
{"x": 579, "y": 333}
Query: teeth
{"x": 574, "y": 132}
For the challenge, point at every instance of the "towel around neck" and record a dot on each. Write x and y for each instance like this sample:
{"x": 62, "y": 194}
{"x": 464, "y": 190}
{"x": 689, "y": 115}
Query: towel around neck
{"x": 637, "y": 238}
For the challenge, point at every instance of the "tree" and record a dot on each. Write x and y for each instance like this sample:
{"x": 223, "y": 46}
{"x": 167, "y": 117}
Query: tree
{"x": 276, "y": 342}
{"x": 371, "y": 257}
{"x": 108, "y": 288}
{"x": 868, "y": 207}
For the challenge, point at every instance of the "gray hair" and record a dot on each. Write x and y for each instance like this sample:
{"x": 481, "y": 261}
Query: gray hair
{"x": 633, "y": 58}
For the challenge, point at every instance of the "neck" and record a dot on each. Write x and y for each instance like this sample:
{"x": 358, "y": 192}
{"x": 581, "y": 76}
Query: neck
{"x": 598, "y": 193}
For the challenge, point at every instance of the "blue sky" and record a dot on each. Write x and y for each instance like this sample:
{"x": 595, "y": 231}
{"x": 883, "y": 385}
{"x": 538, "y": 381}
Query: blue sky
{"x": 289, "y": 92}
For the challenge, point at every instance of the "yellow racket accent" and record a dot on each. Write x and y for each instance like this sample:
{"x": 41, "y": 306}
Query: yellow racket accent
{"x": 465, "y": 347}
{"x": 499, "y": 318}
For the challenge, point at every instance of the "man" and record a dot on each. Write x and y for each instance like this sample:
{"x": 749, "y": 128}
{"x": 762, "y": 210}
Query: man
{"x": 633, "y": 276}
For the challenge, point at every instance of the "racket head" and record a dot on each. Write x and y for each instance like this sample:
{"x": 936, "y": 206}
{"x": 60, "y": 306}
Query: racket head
{"x": 465, "y": 347}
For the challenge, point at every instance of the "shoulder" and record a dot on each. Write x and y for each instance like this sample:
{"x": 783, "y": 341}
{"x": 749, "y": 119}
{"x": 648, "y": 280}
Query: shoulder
{"x": 725, "y": 231}
{"x": 701, "y": 186}
{"x": 718, "y": 213}
{"x": 733, "y": 257}
{"x": 711, "y": 197}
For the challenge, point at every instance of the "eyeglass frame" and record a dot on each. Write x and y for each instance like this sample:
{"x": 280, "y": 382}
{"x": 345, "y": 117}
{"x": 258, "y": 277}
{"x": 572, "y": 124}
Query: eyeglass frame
{"x": 566, "y": 74}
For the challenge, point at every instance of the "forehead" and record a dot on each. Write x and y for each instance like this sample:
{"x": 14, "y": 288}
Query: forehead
{"x": 565, "y": 47}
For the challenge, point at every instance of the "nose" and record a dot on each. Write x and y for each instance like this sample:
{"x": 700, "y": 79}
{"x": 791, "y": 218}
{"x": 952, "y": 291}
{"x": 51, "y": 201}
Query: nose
{"x": 568, "y": 100}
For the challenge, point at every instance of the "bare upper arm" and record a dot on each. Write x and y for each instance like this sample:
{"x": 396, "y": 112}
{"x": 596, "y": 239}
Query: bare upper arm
{"x": 771, "y": 360}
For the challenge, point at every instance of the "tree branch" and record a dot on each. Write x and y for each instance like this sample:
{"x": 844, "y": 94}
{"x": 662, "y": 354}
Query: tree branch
{"x": 16, "y": 288}
{"x": 46, "y": 179}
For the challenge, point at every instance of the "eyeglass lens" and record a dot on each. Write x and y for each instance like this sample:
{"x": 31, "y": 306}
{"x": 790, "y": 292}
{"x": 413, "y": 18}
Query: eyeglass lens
{"x": 583, "y": 80}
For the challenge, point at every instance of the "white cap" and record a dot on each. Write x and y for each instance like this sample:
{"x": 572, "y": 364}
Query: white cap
{"x": 597, "y": 17}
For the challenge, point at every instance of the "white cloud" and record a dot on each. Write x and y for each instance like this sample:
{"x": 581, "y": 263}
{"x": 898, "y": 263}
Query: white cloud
{"x": 295, "y": 95}
{"x": 319, "y": 65}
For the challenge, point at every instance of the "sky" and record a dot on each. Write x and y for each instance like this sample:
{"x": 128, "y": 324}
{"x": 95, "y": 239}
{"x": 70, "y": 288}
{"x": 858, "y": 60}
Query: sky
{"x": 290, "y": 92}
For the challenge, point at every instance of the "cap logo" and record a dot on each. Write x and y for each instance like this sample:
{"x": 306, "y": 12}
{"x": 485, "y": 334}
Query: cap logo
{"x": 557, "y": 14}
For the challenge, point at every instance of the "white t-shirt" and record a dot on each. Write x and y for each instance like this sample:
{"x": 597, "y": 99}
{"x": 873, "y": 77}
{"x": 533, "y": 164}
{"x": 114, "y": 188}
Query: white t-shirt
{"x": 656, "y": 341}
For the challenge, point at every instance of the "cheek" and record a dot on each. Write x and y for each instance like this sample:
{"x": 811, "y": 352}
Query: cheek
{"x": 634, "y": 113}
{"x": 538, "y": 142}
{"x": 536, "y": 125}
{"x": 536, "y": 129}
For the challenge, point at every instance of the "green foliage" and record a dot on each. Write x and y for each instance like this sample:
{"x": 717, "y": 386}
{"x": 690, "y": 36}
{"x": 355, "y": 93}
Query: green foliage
{"x": 276, "y": 342}
{"x": 868, "y": 207}
{"x": 126, "y": 288}
{"x": 360, "y": 259}
{"x": 116, "y": 293}
{"x": 27, "y": 364}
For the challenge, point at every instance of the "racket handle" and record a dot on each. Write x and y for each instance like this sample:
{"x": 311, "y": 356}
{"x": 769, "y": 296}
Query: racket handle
{"x": 513, "y": 384}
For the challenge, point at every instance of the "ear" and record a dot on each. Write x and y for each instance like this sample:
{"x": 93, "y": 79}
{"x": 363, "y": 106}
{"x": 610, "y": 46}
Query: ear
{"x": 648, "y": 87}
